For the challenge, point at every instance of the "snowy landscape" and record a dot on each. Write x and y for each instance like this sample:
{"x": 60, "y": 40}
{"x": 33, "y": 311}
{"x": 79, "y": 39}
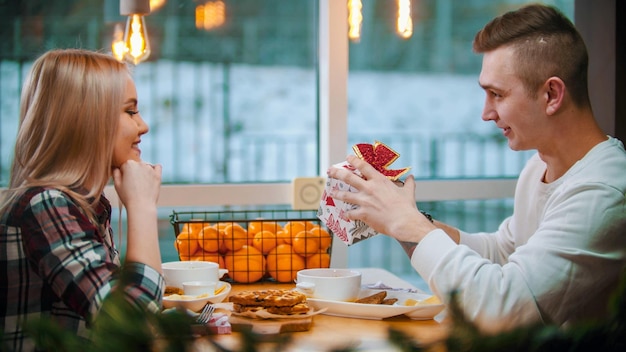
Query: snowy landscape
{"x": 272, "y": 116}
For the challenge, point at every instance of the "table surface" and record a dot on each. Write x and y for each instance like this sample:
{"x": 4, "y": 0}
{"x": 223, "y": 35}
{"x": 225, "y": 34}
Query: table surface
{"x": 332, "y": 332}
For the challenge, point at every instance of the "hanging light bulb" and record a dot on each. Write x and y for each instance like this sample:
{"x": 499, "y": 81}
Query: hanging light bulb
{"x": 136, "y": 40}
{"x": 210, "y": 15}
{"x": 405, "y": 23}
{"x": 118, "y": 47}
{"x": 136, "y": 43}
{"x": 156, "y": 4}
{"x": 355, "y": 18}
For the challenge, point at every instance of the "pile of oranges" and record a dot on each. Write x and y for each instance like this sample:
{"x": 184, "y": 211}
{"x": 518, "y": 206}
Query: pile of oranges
{"x": 260, "y": 249}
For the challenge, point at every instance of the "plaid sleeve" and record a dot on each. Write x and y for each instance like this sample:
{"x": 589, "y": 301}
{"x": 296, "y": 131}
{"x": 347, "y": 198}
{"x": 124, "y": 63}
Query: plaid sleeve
{"x": 144, "y": 286}
{"x": 72, "y": 257}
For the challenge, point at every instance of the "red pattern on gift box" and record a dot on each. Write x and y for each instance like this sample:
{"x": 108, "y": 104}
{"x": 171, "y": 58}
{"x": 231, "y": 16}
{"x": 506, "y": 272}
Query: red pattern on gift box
{"x": 342, "y": 215}
{"x": 335, "y": 226}
{"x": 329, "y": 200}
{"x": 380, "y": 156}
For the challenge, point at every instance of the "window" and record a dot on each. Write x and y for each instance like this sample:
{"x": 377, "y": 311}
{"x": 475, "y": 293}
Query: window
{"x": 231, "y": 103}
{"x": 277, "y": 91}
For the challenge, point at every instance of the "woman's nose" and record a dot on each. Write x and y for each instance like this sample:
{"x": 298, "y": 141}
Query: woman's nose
{"x": 143, "y": 126}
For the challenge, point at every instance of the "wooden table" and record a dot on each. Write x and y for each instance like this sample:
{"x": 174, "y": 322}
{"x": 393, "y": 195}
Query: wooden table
{"x": 332, "y": 332}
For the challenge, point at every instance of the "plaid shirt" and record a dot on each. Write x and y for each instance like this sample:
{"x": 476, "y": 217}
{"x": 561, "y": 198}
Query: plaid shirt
{"x": 55, "y": 263}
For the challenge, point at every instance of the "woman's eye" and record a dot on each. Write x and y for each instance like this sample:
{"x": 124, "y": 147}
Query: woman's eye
{"x": 132, "y": 112}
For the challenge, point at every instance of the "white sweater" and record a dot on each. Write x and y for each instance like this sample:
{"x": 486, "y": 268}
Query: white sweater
{"x": 555, "y": 260}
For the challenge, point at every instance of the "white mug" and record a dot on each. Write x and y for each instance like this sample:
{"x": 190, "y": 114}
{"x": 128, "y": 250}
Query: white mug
{"x": 176, "y": 273}
{"x": 197, "y": 288}
{"x": 330, "y": 284}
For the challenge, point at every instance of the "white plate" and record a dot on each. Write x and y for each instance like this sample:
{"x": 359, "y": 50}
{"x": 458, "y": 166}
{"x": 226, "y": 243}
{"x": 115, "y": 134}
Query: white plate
{"x": 196, "y": 304}
{"x": 423, "y": 311}
{"x": 363, "y": 311}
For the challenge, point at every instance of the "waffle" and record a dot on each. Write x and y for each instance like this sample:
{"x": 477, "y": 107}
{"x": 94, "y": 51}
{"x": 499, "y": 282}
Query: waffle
{"x": 275, "y": 301}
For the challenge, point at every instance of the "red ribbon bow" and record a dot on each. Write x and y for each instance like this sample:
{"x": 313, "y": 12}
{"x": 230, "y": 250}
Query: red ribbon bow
{"x": 380, "y": 157}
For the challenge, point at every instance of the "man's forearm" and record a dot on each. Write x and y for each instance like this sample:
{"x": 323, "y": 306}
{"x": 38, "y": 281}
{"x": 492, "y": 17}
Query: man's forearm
{"x": 409, "y": 247}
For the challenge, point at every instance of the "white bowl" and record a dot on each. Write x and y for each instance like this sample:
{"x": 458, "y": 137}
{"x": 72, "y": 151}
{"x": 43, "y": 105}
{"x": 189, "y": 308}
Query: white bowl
{"x": 176, "y": 273}
{"x": 196, "y": 304}
{"x": 196, "y": 288}
{"x": 423, "y": 310}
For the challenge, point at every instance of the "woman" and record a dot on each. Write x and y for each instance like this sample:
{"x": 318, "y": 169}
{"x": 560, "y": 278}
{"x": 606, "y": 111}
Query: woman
{"x": 79, "y": 126}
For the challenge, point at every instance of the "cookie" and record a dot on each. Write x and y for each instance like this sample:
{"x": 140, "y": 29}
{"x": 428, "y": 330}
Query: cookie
{"x": 376, "y": 298}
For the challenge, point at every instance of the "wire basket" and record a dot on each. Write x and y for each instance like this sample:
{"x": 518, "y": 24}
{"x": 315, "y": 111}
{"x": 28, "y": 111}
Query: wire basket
{"x": 254, "y": 245}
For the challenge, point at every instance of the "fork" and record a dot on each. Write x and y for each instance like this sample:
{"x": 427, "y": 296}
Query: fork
{"x": 206, "y": 314}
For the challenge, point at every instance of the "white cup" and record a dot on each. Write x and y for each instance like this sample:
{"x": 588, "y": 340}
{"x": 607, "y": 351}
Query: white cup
{"x": 176, "y": 273}
{"x": 197, "y": 288}
{"x": 330, "y": 284}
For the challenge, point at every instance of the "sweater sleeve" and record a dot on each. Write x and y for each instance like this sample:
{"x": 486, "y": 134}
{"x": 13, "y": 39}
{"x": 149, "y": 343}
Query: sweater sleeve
{"x": 495, "y": 246}
{"x": 490, "y": 294}
{"x": 565, "y": 269}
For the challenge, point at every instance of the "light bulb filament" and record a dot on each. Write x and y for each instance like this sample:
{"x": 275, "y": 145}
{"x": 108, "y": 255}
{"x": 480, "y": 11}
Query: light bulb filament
{"x": 355, "y": 18}
{"x": 137, "y": 42}
{"x": 136, "y": 39}
{"x": 404, "y": 23}
{"x": 210, "y": 15}
{"x": 118, "y": 47}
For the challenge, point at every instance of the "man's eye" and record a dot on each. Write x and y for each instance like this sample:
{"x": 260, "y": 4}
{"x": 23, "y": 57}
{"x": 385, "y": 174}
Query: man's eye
{"x": 132, "y": 112}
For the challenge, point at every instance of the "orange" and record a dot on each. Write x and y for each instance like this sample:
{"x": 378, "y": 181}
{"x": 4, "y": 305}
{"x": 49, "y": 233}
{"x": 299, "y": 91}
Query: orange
{"x": 214, "y": 257}
{"x": 254, "y": 227}
{"x": 245, "y": 265}
{"x": 283, "y": 237}
{"x": 322, "y": 235}
{"x": 259, "y": 225}
{"x": 293, "y": 228}
{"x": 305, "y": 243}
{"x": 235, "y": 237}
{"x": 223, "y": 224}
{"x": 184, "y": 257}
{"x": 209, "y": 239}
{"x": 186, "y": 243}
{"x": 220, "y": 234}
{"x": 309, "y": 225}
{"x": 283, "y": 264}
{"x": 264, "y": 241}
{"x": 194, "y": 226}
{"x": 320, "y": 259}
{"x": 272, "y": 226}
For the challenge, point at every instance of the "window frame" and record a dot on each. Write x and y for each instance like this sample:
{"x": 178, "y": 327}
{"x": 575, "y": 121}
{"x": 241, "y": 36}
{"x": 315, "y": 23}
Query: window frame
{"x": 333, "y": 136}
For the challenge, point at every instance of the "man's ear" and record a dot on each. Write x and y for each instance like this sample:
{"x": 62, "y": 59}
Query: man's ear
{"x": 554, "y": 90}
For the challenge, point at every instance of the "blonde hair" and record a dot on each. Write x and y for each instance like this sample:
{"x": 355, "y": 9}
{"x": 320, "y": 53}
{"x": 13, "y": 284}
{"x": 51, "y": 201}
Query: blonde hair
{"x": 69, "y": 112}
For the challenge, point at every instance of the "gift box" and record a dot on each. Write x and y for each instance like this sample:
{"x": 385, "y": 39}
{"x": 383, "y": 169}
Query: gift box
{"x": 332, "y": 211}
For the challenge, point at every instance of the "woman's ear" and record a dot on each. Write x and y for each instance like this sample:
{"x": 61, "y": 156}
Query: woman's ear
{"x": 555, "y": 93}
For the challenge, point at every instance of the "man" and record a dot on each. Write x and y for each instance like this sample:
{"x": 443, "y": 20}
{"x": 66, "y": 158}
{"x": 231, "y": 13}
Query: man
{"x": 556, "y": 259}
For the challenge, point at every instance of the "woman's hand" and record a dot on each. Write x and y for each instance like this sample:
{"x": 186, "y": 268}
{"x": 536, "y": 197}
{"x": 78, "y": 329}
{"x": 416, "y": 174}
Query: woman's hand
{"x": 382, "y": 205}
{"x": 137, "y": 183}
